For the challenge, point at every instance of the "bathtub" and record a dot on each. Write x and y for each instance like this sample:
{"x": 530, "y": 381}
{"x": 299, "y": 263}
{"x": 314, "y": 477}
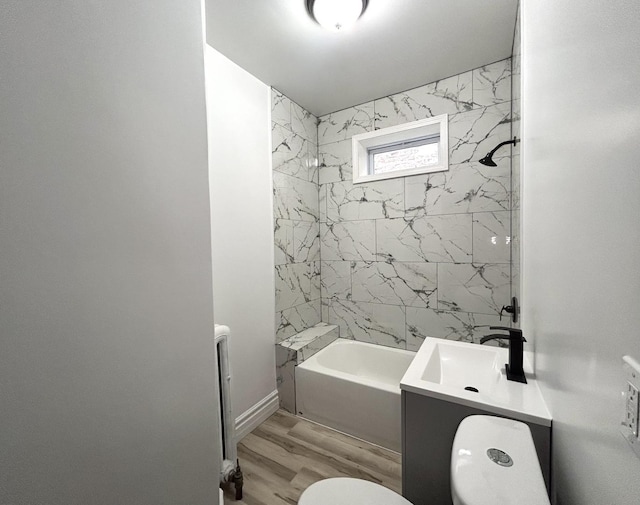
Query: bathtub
{"x": 354, "y": 387}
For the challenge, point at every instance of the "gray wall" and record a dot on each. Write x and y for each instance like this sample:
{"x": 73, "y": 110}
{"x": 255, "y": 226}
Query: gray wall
{"x": 106, "y": 363}
{"x": 581, "y": 285}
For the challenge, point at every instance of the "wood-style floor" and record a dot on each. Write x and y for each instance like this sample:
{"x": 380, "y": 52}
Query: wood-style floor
{"x": 286, "y": 454}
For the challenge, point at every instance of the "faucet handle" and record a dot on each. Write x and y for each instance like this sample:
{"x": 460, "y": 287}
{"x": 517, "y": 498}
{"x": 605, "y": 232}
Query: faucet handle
{"x": 512, "y": 309}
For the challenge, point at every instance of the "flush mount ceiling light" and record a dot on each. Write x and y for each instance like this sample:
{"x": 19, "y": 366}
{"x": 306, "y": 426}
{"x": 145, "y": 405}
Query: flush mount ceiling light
{"x": 336, "y": 15}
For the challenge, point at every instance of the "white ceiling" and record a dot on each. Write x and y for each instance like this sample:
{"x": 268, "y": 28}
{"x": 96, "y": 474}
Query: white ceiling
{"x": 396, "y": 45}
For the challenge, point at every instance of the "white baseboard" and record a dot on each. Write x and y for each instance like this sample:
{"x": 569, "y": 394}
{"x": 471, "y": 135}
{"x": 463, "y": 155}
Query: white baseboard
{"x": 256, "y": 415}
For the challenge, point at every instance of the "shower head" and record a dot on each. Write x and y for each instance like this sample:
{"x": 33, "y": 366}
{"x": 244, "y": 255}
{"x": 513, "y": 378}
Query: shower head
{"x": 488, "y": 159}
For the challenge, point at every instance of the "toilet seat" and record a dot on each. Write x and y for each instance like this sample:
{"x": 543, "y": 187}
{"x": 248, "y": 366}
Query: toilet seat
{"x": 348, "y": 491}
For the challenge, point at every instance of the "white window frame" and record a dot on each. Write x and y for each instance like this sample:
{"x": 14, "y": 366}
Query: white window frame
{"x": 362, "y": 144}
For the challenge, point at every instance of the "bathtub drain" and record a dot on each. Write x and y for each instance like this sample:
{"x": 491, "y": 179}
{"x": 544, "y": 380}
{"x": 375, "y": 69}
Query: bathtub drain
{"x": 471, "y": 388}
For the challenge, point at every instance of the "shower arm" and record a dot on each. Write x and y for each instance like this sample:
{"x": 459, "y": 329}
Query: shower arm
{"x": 514, "y": 142}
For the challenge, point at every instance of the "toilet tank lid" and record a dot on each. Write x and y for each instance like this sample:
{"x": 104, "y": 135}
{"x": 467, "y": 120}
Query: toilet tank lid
{"x": 476, "y": 479}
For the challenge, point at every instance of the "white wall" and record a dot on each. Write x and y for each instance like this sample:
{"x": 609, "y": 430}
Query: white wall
{"x": 107, "y": 378}
{"x": 238, "y": 108}
{"x": 581, "y": 201}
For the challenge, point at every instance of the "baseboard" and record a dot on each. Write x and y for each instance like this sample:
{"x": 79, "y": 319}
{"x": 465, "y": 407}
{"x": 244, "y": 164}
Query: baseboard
{"x": 256, "y": 415}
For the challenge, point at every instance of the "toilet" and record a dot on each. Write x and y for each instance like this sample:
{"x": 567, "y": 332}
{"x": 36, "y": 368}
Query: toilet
{"x": 493, "y": 460}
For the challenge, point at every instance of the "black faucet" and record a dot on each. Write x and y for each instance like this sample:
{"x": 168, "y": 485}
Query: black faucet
{"x": 515, "y": 372}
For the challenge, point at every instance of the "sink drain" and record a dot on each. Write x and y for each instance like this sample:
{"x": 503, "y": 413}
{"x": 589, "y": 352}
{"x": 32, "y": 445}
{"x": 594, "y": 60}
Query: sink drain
{"x": 471, "y": 388}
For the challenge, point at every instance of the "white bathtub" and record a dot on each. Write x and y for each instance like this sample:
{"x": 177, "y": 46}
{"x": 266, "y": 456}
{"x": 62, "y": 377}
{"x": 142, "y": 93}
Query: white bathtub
{"x": 354, "y": 387}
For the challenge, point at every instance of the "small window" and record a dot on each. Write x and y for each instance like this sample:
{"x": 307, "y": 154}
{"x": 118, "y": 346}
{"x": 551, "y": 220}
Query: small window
{"x": 413, "y": 148}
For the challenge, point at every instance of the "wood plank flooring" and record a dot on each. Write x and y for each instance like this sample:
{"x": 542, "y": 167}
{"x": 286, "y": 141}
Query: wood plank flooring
{"x": 286, "y": 454}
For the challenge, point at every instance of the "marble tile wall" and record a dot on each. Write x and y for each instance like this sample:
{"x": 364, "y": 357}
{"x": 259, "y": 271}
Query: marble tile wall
{"x": 296, "y": 216}
{"x": 418, "y": 256}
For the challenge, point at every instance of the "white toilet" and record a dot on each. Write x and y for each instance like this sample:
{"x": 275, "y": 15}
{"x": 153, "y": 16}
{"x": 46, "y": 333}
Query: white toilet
{"x": 493, "y": 461}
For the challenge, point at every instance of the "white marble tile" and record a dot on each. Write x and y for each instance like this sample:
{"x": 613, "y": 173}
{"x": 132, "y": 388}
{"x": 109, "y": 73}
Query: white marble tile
{"x": 515, "y": 182}
{"x": 286, "y": 147}
{"x": 318, "y": 343}
{"x": 296, "y": 319}
{"x": 346, "y": 123}
{"x": 306, "y": 336}
{"x": 516, "y": 114}
{"x": 314, "y": 280}
{"x": 291, "y": 283}
{"x": 515, "y": 285}
{"x": 515, "y": 237}
{"x": 492, "y": 83}
{"x": 280, "y": 109}
{"x": 480, "y": 288}
{"x": 335, "y": 162}
{"x": 293, "y": 155}
{"x": 447, "y": 96}
{"x": 312, "y": 162}
{"x": 348, "y": 240}
{"x": 371, "y": 200}
{"x": 310, "y": 341}
{"x": 285, "y": 378}
{"x": 516, "y": 117}
{"x": 283, "y": 241}
{"x": 325, "y": 309}
{"x": 396, "y": 283}
{"x": 515, "y": 254}
{"x": 306, "y": 241}
{"x": 516, "y": 87}
{"x": 517, "y": 61}
{"x": 296, "y": 283}
{"x": 473, "y": 134}
{"x": 433, "y": 238}
{"x": 322, "y": 203}
{"x": 492, "y": 237}
{"x": 304, "y": 123}
{"x": 462, "y": 326}
{"x": 369, "y": 322}
{"x": 335, "y": 279}
{"x": 294, "y": 198}
{"x": 469, "y": 187}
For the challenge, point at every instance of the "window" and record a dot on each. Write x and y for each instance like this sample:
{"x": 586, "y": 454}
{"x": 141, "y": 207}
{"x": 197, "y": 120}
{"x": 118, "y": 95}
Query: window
{"x": 413, "y": 148}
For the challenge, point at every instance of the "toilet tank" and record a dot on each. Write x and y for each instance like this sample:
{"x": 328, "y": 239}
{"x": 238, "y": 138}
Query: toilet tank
{"x": 494, "y": 460}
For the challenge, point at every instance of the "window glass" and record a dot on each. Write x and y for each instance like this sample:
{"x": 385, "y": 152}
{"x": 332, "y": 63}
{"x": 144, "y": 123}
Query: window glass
{"x": 404, "y": 156}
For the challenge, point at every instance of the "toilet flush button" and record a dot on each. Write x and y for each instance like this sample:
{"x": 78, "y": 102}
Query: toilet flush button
{"x": 499, "y": 457}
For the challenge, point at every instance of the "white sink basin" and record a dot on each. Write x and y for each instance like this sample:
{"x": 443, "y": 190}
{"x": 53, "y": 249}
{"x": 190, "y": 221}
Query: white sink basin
{"x": 443, "y": 369}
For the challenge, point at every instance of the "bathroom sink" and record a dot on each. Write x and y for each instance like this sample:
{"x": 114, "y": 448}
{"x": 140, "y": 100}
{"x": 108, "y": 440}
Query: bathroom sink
{"x": 464, "y": 366}
{"x": 474, "y": 376}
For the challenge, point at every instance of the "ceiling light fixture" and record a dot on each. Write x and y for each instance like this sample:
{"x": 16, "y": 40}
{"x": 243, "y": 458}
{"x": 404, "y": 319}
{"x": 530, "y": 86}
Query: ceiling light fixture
{"x": 336, "y": 15}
